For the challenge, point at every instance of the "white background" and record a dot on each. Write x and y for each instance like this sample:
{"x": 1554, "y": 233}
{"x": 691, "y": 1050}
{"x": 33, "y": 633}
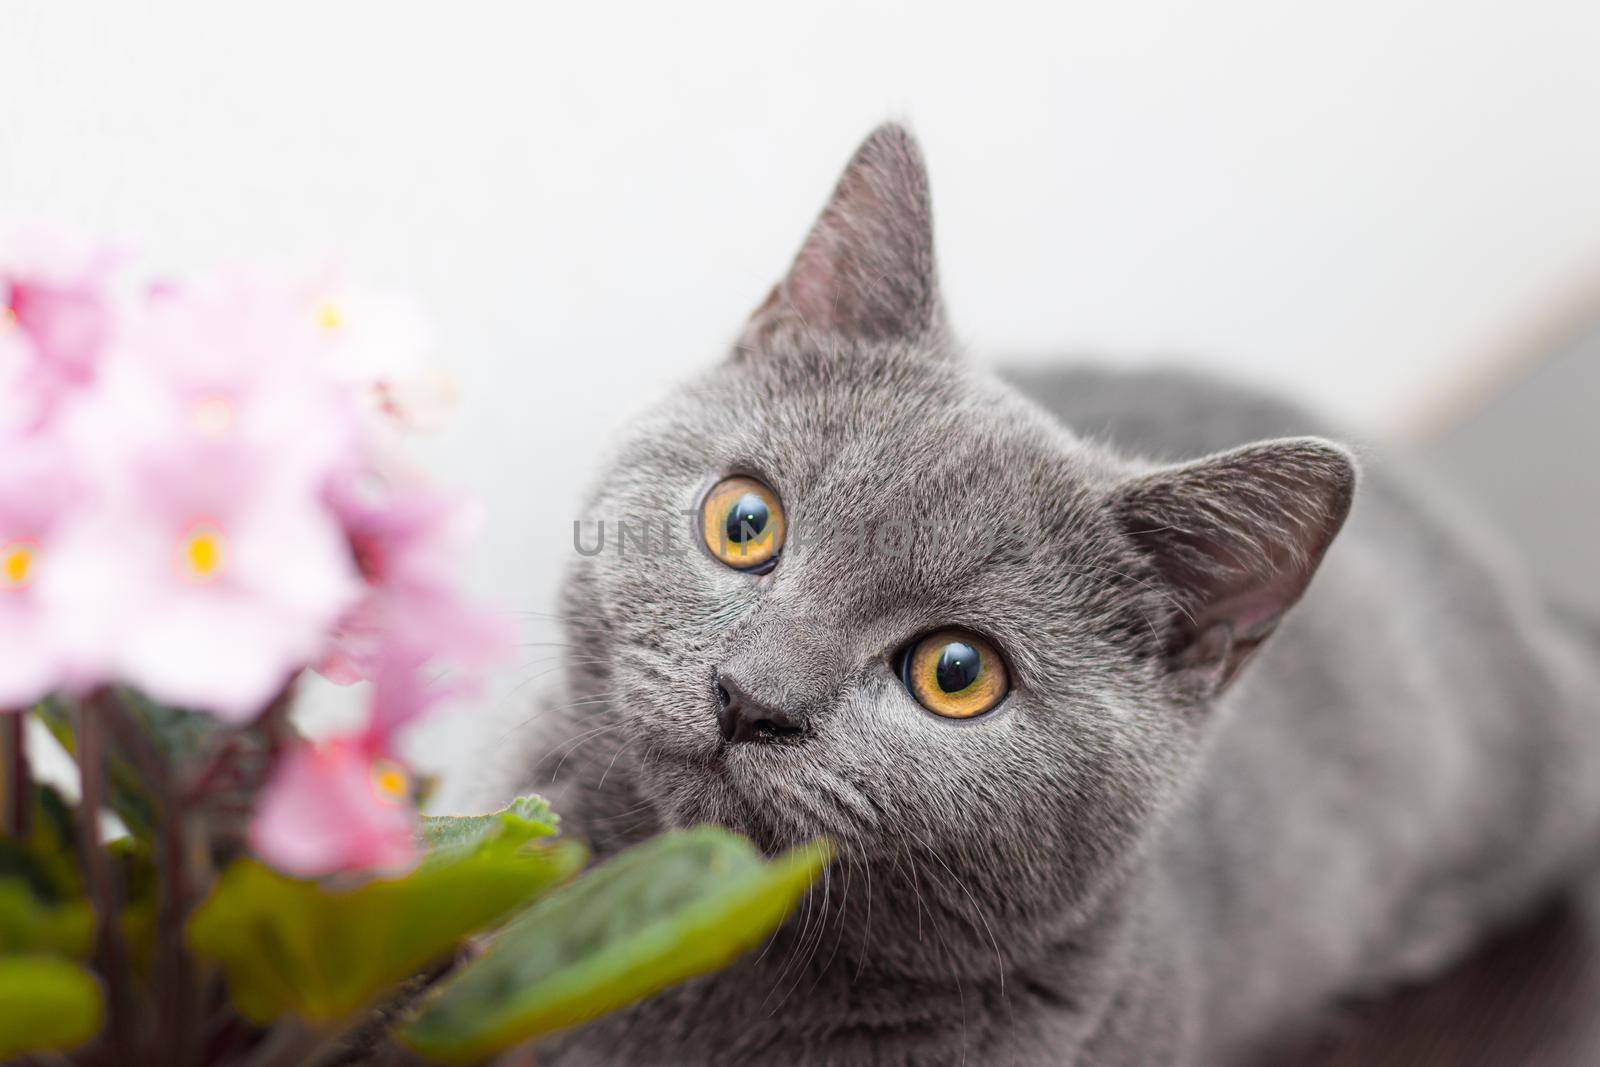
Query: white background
{"x": 1368, "y": 203}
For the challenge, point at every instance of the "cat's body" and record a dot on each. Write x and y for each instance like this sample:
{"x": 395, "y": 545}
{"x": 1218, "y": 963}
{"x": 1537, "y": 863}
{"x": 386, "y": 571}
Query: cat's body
{"x": 1136, "y": 859}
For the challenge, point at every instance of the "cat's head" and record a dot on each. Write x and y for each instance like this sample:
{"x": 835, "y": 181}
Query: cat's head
{"x": 904, "y": 608}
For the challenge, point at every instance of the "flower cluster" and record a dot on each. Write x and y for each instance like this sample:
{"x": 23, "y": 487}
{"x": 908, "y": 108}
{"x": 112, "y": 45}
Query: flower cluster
{"x": 198, "y": 499}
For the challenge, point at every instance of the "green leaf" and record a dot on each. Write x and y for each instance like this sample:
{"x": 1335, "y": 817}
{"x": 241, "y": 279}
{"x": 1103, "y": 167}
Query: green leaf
{"x": 323, "y": 952}
{"x": 678, "y": 906}
{"x": 29, "y": 925}
{"x": 45, "y": 1004}
{"x": 47, "y": 860}
{"x": 524, "y": 819}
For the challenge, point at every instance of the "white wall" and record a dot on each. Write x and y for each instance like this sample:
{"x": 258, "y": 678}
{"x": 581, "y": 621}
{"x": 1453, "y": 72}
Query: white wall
{"x": 1365, "y": 202}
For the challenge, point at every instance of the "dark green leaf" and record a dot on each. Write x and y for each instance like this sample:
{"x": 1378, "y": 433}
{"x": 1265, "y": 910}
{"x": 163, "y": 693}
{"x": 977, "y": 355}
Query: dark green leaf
{"x": 47, "y": 860}
{"x": 681, "y": 905}
{"x": 47, "y": 1004}
{"x": 320, "y": 952}
{"x": 177, "y": 733}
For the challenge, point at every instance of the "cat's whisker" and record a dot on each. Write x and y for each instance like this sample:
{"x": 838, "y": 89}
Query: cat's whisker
{"x": 1000, "y": 964}
{"x": 866, "y": 941}
{"x": 798, "y": 948}
{"x": 573, "y": 746}
{"x": 797, "y": 938}
{"x": 558, "y": 709}
{"x": 911, "y": 874}
{"x": 627, "y": 813}
{"x": 558, "y": 617}
{"x": 524, "y": 683}
{"x": 944, "y": 945}
{"x": 615, "y": 756}
{"x": 913, "y": 871}
{"x": 840, "y": 916}
{"x": 815, "y": 942}
{"x": 767, "y": 947}
{"x": 559, "y": 659}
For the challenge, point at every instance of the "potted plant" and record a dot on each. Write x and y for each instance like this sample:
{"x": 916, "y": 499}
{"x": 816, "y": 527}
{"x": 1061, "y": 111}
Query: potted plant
{"x": 201, "y": 500}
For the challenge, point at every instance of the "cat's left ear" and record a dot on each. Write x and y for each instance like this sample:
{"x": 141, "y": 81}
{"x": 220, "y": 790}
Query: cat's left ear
{"x": 866, "y": 271}
{"x": 1235, "y": 538}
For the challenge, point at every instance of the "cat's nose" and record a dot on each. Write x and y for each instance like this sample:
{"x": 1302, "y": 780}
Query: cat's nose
{"x": 740, "y": 717}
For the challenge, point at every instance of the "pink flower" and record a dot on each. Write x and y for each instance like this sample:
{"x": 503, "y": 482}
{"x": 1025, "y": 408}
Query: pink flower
{"x": 381, "y": 346}
{"x": 402, "y": 696}
{"x": 408, "y": 541}
{"x": 345, "y": 804}
{"x": 22, "y": 405}
{"x": 212, "y": 439}
{"x": 340, "y": 805}
{"x": 55, "y": 320}
{"x": 38, "y": 492}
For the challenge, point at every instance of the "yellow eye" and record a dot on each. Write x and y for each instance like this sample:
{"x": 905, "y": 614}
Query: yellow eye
{"x": 743, "y": 524}
{"x": 955, "y": 673}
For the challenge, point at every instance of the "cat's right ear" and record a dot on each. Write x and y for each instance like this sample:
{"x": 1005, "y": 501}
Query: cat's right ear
{"x": 866, "y": 271}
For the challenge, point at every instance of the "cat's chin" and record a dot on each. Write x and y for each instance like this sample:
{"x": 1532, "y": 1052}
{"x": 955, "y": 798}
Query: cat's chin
{"x": 701, "y": 810}
{"x": 739, "y": 794}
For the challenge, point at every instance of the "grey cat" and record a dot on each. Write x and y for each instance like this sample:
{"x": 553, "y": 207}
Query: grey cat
{"x": 1007, "y": 645}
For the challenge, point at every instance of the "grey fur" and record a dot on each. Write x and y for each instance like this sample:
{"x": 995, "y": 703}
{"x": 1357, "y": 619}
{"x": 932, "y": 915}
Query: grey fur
{"x": 1137, "y": 859}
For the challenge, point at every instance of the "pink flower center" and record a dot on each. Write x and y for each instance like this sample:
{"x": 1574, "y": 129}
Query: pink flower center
{"x": 328, "y": 316}
{"x": 212, "y": 416}
{"x": 390, "y": 783}
{"x": 17, "y": 564}
{"x": 202, "y": 553}
{"x": 8, "y": 319}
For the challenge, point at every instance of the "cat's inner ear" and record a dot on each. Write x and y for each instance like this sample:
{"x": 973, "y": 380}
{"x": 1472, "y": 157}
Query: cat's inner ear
{"x": 1235, "y": 537}
{"x": 866, "y": 271}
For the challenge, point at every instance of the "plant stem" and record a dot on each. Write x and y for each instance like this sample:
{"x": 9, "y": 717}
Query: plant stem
{"x": 216, "y": 771}
{"x": 521, "y": 1056}
{"x": 361, "y": 1042}
{"x": 293, "y": 1044}
{"x": 283, "y": 1046}
{"x": 110, "y": 953}
{"x": 16, "y": 774}
{"x": 176, "y": 986}
{"x": 274, "y": 720}
{"x": 177, "y": 989}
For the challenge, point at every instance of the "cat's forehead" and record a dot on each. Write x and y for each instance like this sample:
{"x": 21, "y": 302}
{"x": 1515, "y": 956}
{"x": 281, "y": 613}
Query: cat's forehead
{"x": 888, "y": 421}
{"x": 970, "y": 474}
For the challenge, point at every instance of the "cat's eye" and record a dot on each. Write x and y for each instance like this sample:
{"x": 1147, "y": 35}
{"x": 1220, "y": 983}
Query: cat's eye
{"x": 955, "y": 673}
{"x": 743, "y": 524}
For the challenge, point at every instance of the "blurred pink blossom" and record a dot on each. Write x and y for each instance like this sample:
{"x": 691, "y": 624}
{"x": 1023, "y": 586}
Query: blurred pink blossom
{"x": 408, "y": 541}
{"x": 38, "y": 491}
{"x": 337, "y": 805}
{"x": 212, "y": 440}
{"x": 381, "y": 345}
{"x": 56, "y": 317}
{"x": 22, "y": 404}
{"x": 193, "y": 501}
{"x": 344, "y": 804}
{"x": 404, "y": 692}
